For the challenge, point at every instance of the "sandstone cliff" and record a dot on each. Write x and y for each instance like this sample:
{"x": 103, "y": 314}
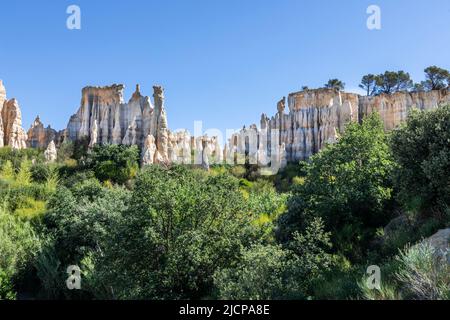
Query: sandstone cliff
{"x": 11, "y": 132}
{"x": 115, "y": 121}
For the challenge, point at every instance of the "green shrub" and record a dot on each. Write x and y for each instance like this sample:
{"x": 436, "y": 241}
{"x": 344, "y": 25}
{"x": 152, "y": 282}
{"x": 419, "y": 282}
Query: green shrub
{"x": 19, "y": 244}
{"x": 271, "y": 272}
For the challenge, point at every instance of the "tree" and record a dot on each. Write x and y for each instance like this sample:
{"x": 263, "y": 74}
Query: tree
{"x": 348, "y": 185}
{"x": 182, "y": 225}
{"x": 436, "y": 78}
{"x": 422, "y": 150}
{"x": 335, "y": 84}
{"x": 369, "y": 83}
{"x": 117, "y": 163}
{"x": 390, "y": 81}
{"x": 78, "y": 222}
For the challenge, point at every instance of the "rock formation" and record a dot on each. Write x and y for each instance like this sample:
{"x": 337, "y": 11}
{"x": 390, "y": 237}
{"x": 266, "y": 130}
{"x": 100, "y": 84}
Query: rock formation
{"x": 440, "y": 242}
{"x": 40, "y": 136}
{"x": 11, "y": 132}
{"x": 2, "y": 101}
{"x": 317, "y": 117}
{"x": 50, "y": 153}
{"x": 104, "y": 117}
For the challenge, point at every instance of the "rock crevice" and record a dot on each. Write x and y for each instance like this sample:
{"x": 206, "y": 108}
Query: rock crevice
{"x": 317, "y": 117}
{"x": 11, "y": 132}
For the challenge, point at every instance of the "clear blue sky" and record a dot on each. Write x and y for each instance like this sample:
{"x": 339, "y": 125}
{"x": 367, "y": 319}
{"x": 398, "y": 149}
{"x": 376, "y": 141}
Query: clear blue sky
{"x": 221, "y": 61}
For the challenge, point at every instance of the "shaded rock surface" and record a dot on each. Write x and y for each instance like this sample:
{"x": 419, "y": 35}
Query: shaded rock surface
{"x": 40, "y": 136}
{"x": 11, "y": 132}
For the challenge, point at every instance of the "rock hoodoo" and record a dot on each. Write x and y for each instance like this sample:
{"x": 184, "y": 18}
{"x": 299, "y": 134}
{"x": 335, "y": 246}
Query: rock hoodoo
{"x": 314, "y": 118}
{"x": 11, "y": 132}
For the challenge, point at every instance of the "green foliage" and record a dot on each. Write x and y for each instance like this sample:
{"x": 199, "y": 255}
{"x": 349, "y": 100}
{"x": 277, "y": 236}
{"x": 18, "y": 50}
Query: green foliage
{"x": 39, "y": 172}
{"x": 79, "y": 220}
{"x": 230, "y": 233}
{"x": 424, "y": 274}
{"x": 348, "y": 185}
{"x": 118, "y": 163}
{"x": 335, "y": 84}
{"x": 422, "y": 150}
{"x": 79, "y": 148}
{"x": 25, "y": 193}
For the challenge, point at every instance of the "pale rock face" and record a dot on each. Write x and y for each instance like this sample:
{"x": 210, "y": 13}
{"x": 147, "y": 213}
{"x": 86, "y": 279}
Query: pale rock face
{"x": 39, "y": 136}
{"x": 94, "y": 135}
{"x": 318, "y": 117}
{"x": 13, "y": 133}
{"x": 50, "y": 153}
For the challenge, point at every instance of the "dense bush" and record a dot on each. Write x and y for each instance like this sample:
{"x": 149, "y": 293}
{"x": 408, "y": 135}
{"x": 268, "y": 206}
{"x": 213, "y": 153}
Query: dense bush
{"x": 422, "y": 150}
{"x": 184, "y": 233}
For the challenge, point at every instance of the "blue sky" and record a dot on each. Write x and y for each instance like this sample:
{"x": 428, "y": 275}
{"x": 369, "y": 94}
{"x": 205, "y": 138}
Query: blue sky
{"x": 221, "y": 61}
